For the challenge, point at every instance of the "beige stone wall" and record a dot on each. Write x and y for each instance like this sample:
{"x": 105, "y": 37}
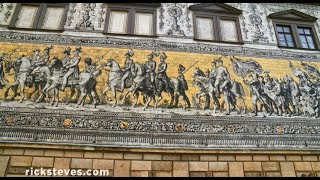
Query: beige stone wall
{"x": 15, "y": 158}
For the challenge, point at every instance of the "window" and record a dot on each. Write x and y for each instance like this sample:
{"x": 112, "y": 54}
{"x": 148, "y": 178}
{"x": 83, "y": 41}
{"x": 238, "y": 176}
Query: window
{"x": 216, "y": 22}
{"x": 131, "y": 19}
{"x": 44, "y": 16}
{"x": 295, "y": 30}
{"x": 285, "y": 36}
{"x": 306, "y": 37}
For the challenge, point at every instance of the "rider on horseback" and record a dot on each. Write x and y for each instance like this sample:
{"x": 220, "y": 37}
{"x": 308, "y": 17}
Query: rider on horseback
{"x": 42, "y": 61}
{"x": 73, "y": 68}
{"x": 127, "y": 68}
{"x": 66, "y": 58}
{"x": 222, "y": 75}
{"x": 35, "y": 58}
{"x": 162, "y": 68}
{"x": 150, "y": 66}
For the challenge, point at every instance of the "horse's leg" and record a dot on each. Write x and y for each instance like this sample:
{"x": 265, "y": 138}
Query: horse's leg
{"x": 176, "y": 99}
{"x": 40, "y": 92}
{"x": 81, "y": 98}
{"x": 53, "y": 97}
{"x": 147, "y": 103}
{"x": 136, "y": 96}
{"x": 95, "y": 99}
{"x": 14, "y": 87}
{"x": 22, "y": 95}
{"x": 214, "y": 104}
{"x": 114, "y": 94}
{"x": 73, "y": 90}
{"x": 57, "y": 97}
{"x": 36, "y": 87}
{"x": 227, "y": 101}
{"x": 244, "y": 104}
{"x": 158, "y": 100}
{"x": 106, "y": 90}
{"x": 186, "y": 99}
{"x": 171, "y": 97}
{"x": 126, "y": 93}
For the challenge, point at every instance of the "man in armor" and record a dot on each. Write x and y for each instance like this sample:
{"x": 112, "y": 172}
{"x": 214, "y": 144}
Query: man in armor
{"x": 127, "y": 68}
{"x": 66, "y": 58}
{"x": 295, "y": 94}
{"x": 181, "y": 77}
{"x": 273, "y": 90}
{"x": 36, "y": 56}
{"x": 72, "y": 67}
{"x": 150, "y": 66}
{"x": 213, "y": 75}
{"x": 183, "y": 86}
{"x": 255, "y": 86}
{"x": 3, "y": 80}
{"x": 161, "y": 73}
{"x": 42, "y": 61}
{"x": 285, "y": 95}
{"x": 222, "y": 75}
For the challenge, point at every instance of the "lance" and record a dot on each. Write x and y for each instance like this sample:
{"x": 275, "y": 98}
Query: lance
{"x": 9, "y": 54}
{"x": 190, "y": 67}
{"x": 101, "y": 57}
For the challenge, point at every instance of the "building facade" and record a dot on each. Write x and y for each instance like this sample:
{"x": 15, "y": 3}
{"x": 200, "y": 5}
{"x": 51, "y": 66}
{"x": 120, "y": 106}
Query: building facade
{"x": 226, "y": 89}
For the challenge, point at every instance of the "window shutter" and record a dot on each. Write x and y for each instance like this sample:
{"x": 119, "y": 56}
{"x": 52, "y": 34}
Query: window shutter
{"x": 228, "y": 30}
{"x": 143, "y": 23}
{"x": 27, "y": 16}
{"x": 205, "y": 28}
{"x": 118, "y": 22}
{"x": 53, "y": 18}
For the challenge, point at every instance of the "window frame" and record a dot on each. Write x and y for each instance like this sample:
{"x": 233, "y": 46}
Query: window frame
{"x": 217, "y": 17}
{"x": 295, "y": 34}
{"x": 132, "y": 9}
{"x": 40, "y": 15}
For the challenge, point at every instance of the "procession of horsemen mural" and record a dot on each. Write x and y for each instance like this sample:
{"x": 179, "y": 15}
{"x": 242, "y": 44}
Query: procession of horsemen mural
{"x": 297, "y": 94}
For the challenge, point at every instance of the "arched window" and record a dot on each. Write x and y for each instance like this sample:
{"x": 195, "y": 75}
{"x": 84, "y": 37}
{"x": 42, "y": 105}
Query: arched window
{"x": 216, "y": 22}
{"x": 295, "y": 29}
{"x": 131, "y": 19}
{"x": 43, "y": 16}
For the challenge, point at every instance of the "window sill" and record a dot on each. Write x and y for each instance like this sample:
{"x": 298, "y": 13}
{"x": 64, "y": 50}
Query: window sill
{"x": 226, "y": 42}
{"x": 296, "y": 48}
{"x": 33, "y": 29}
{"x": 131, "y": 35}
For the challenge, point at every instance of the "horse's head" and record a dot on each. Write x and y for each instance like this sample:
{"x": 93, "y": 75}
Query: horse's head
{"x": 8, "y": 65}
{"x": 197, "y": 72}
{"x": 54, "y": 61}
{"x": 109, "y": 62}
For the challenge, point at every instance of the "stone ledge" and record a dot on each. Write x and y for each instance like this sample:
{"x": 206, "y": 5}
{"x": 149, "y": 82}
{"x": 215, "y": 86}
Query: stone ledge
{"x": 9, "y": 145}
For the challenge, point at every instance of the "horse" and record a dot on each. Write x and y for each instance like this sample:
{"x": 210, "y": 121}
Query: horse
{"x": 22, "y": 73}
{"x": 85, "y": 85}
{"x": 114, "y": 79}
{"x": 205, "y": 87}
{"x": 180, "y": 92}
{"x": 140, "y": 84}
